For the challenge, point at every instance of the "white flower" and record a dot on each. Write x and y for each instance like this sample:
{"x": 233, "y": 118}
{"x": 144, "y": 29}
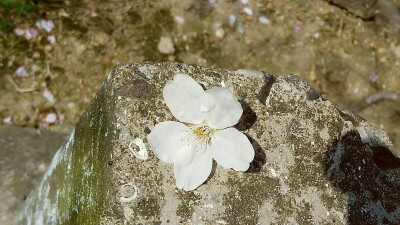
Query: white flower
{"x": 206, "y": 135}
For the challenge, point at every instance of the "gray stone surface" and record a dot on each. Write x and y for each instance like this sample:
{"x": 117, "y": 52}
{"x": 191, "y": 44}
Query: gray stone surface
{"x": 314, "y": 163}
{"x": 25, "y": 155}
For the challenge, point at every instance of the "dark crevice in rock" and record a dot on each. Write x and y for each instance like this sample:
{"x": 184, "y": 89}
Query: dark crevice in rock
{"x": 138, "y": 72}
{"x": 372, "y": 193}
{"x": 384, "y": 158}
{"x": 268, "y": 82}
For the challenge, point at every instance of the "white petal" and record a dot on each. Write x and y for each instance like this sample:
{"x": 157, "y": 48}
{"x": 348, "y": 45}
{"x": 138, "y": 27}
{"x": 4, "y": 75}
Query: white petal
{"x": 170, "y": 142}
{"x": 182, "y": 96}
{"x": 231, "y": 149}
{"x": 191, "y": 176}
{"x": 223, "y": 109}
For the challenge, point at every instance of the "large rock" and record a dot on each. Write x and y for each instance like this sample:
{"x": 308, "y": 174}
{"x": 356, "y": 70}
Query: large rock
{"x": 314, "y": 163}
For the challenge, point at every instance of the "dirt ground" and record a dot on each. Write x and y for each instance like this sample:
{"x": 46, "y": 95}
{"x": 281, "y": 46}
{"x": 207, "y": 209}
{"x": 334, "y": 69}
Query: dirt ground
{"x": 343, "y": 56}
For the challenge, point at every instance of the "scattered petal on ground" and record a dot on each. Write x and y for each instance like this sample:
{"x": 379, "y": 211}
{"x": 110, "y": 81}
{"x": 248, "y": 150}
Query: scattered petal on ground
{"x": 47, "y": 25}
{"x": 316, "y": 35}
{"x": 19, "y": 31}
{"x": 263, "y": 19}
{"x": 93, "y": 13}
{"x": 51, "y": 39}
{"x": 31, "y": 33}
{"x": 212, "y": 1}
{"x": 51, "y": 118}
{"x": 373, "y": 78}
{"x": 21, "y": 72}
{"x": 248, "y": 11}
{"x": 49, "y": 96}
{"x": 7, "y": 120}
{"x": 244, "y": 2}
{"x": 232, "y": 19}
{"x": 85, "y": 99}
{"x": 179, "y": 19}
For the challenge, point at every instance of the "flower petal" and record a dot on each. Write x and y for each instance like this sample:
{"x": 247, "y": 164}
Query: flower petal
{"x": 231, "y": 149}
{"x": 182, "y": 96}
{"x": 191, "y": 176}
{"x": 170, "y": 142}
{"x": 220, "y": 108}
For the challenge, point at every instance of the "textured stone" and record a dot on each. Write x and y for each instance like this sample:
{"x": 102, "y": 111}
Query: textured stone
{"x": 314, "y": 163}
{"x": 25, "y": 155}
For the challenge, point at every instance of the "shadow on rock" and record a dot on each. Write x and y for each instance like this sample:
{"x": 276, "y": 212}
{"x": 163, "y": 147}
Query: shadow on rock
{"x": 248, "y": 118}
{"x": 259, "y": 157}
{"x": 369, "y": 177}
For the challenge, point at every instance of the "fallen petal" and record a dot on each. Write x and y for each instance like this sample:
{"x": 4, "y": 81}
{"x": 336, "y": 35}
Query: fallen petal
{"x": 21, "y": 72}
{"x": 190, "y": 176}
{"x": 51, "y": 39}
{"x": 182, "y": 96}
{"x": 51, "y": 118}
{"x": 170, "y": 142}
{"x": 48, "y": 96}
{"x": 7, "y": 120}
{"x": 231, "y": 149}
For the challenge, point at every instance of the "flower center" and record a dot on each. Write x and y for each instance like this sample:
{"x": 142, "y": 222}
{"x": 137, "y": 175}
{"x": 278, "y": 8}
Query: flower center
{"x": 203, "y": 132}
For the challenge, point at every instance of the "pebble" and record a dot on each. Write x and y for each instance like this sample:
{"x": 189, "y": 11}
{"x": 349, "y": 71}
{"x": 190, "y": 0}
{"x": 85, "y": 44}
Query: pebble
{"x": 219, "y": 30}
{"x": 166, "y": 46}
{"x": 312, "y": 94}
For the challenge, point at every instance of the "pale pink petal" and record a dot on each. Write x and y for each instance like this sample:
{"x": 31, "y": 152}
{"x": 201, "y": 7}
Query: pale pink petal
{"x": 19, "y": 31}
{"x": 51, "y": 118}
{"x": 7, "y": 120}
{"x": 21, "y": 72}
{"x": 48, "y": 96}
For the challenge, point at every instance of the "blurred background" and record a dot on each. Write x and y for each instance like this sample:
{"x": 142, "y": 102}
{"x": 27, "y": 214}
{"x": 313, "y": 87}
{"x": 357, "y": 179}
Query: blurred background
{"x": 54, "y": 54}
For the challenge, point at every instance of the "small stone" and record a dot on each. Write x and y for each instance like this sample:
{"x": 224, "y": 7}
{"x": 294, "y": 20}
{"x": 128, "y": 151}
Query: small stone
{"x": 219, "y": 31}
{"x": 312, "y": 94}
{"x": 166, "y": 46}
